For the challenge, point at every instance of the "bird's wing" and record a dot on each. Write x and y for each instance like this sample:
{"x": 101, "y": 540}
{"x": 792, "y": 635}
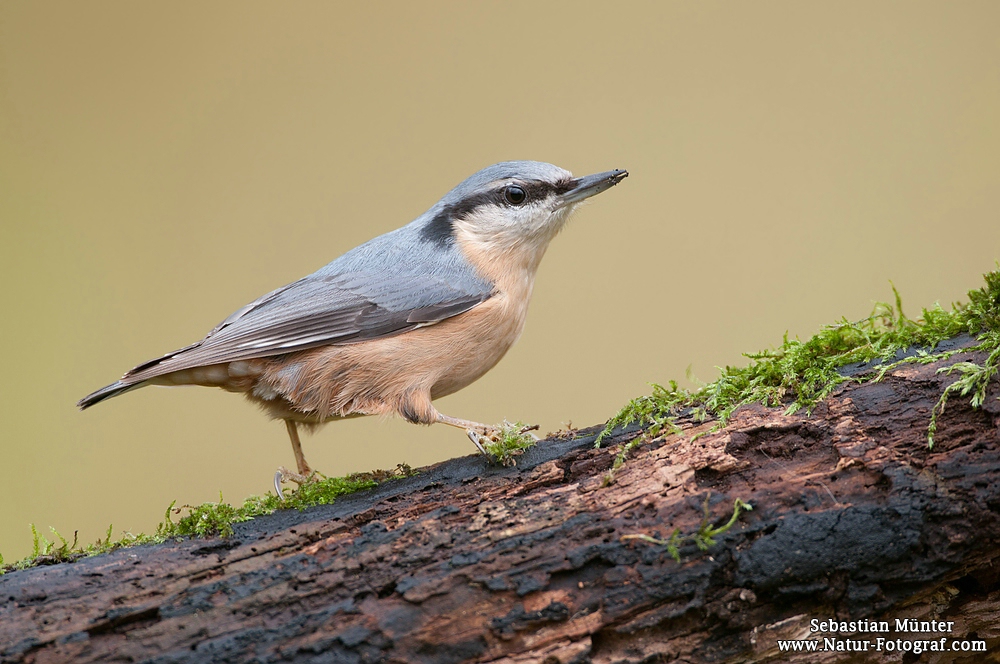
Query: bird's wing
{"x": 332, "y": 306}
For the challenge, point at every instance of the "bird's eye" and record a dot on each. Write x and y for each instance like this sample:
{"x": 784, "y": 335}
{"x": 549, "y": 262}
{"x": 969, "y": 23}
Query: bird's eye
{"x": 515, "y": 195}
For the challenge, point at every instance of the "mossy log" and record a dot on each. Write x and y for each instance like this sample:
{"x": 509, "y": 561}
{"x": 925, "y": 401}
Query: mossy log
{"x": 853, "y": 517}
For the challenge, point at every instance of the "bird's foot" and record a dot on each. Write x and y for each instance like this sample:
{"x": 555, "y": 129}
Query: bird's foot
{"x": 502, "y": 443}
{"x": 283, "y": 475}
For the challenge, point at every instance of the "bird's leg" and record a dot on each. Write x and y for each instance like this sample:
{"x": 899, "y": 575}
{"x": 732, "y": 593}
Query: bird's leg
{"x": 300, "y": 459}
{"x": 465, "y": 424}
{"x": 305, "y": 472}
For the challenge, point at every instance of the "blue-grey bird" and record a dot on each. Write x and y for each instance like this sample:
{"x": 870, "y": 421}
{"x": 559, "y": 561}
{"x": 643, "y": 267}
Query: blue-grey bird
{"x": 411, "y": 316}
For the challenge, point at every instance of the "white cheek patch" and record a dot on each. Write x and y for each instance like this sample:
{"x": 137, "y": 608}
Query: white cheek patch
{"x": 500, "y": 225}
{"x": 487, "y": 221}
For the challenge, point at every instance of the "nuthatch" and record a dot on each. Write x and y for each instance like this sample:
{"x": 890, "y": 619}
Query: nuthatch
{"x": 411, "y": 316}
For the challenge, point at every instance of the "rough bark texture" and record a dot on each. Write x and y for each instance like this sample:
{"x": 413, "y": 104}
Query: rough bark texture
{"x": 854, "y": 517}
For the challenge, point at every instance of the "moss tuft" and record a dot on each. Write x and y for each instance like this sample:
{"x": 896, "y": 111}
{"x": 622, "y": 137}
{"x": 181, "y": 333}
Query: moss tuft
{"x": 510, "y": 442}
{"x": 799, "y": 374}
{"x": 207, "y": 519}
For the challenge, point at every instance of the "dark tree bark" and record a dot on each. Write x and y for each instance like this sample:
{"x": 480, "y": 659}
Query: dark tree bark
{"x": 853, "y": 517}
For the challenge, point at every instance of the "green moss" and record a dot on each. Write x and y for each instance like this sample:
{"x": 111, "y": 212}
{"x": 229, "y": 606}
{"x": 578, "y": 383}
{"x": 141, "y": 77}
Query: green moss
{"x": 799, "y": 374}
{"x": 44, "y": 552}
{"x": 973, "y": 379}
{"x": 207, "y": 519}
{"x": 218, "y": 518}
{"x": 703, "y": 538}
{"x": 510, "y": 442}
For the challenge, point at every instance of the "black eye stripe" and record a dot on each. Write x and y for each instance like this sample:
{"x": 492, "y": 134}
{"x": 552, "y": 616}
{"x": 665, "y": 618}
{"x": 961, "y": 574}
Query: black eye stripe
{"x": 533, "y": 189}
{"x": 538, "y": 190}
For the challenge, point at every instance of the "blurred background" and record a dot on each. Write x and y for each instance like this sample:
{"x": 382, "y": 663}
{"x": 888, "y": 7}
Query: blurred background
{"x": 163, "y": 164}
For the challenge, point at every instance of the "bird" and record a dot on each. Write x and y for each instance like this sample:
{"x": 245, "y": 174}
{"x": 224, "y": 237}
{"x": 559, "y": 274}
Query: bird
{"x": 399, "y": 321}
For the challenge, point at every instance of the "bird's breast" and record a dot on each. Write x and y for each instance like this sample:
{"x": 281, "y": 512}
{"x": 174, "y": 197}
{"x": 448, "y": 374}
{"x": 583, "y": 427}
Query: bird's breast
{"x": 475, "y": 341}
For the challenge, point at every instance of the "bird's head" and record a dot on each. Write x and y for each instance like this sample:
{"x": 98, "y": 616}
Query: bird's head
{"x": 514, "y": 208}
{"x": 521, "y": 201}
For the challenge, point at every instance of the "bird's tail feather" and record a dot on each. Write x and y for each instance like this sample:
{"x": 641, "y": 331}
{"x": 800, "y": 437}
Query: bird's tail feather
{"x": 112, "y": 390}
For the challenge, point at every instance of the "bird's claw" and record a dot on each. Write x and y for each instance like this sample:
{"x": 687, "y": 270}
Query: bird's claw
{"x": 475, "y": 438}
{"x": 283, "y": 475}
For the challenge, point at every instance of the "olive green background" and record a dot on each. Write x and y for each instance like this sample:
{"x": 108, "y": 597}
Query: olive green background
{"x": 163, "y": 164}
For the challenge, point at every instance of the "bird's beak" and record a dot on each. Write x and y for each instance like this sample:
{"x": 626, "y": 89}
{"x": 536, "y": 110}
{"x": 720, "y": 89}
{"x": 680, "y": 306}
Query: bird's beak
{"x": 591, "y": 185}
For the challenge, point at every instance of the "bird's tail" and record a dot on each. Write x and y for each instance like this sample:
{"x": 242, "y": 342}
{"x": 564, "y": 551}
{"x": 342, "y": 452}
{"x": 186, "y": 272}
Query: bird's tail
{"x": 112, "y": 390}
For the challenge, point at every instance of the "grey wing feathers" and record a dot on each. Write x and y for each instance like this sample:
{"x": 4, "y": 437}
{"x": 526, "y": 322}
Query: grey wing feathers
{"x": 305, "y": 317}
{"x": 246, "y": 338}
{"x": 389, "y": 285}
